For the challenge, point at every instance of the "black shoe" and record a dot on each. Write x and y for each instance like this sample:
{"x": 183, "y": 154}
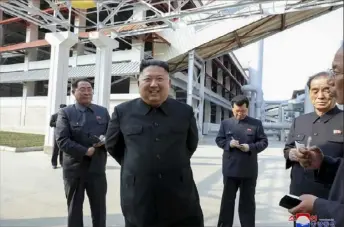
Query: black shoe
{"x": 54, "y": 167}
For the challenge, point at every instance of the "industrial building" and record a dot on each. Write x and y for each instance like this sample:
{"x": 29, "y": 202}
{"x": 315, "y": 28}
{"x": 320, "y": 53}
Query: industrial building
{"x": 46, "y": 44}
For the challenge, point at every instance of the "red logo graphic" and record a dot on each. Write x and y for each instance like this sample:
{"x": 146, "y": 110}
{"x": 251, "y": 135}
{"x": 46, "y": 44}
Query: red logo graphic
{"x": 303, "y": 214}
{"x": 312, "y": 218}
{"x": 249, "y": 130}
{"x": 337, "y": 132}
{"x": 98, "y": 117}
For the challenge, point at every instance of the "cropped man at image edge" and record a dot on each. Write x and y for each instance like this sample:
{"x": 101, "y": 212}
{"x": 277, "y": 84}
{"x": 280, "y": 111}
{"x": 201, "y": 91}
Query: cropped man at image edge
{"x": 328, "y": 169}
{"x": 77, "y": 128}
{"x": 315, "y": 129}
{"x": 241, "y": 137}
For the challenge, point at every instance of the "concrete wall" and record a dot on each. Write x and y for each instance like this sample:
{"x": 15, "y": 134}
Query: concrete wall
{"x": 20, "y": 115}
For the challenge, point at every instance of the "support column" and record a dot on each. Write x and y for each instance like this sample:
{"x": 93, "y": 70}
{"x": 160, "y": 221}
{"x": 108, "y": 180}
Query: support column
{"x": 133, "y": 86}
{"x": 28, "y": 90}
{"x": 80, "y": 23}
{"x": 190, "y": 86}
{"x": 102, "y": 79}
{"x": 139, "y": 13}
{"x": 201, "y": 100}
{"x": 1, "y": 32}
{"x": 256, "y": 75}
{"x": 207, "y": 107}
{"x": 30, "y": 55}
{"x": 219, "y": 88}
{"x": 61, "y": 43}
{"x": 31, "y": 35}
{"x": 71, "y": 99}
{"x": 196, "y": 72}
{"x": 227, "y": 96}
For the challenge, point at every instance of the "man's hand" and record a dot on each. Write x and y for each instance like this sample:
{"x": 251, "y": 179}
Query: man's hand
{"x": 293, "y": 155}
{"x": 306, "y": 205}
{"x": 234, "y": 143}
{"x": 244, "y": 147}
{"x": 312, "y": 158}
{"x": 90, "y": 151}
{"x": 99, "y": 144}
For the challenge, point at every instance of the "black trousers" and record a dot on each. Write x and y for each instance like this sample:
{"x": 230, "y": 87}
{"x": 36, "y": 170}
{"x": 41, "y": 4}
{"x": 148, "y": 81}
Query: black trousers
{"x": 96, "y": 188}
{"x": 56, "y": 153}
{"x": 247, "y": 203}
{"x": 194, "y": 221}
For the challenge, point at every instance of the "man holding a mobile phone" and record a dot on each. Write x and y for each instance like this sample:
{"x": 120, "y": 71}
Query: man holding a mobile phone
{"x": 317, "y": 128}
{"x": 327, "y": 170}
{"x": 241, "y": 138}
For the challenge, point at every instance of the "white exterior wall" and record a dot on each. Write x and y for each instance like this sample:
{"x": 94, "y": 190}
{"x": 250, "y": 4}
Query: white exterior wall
{"x": 35, "y": 112}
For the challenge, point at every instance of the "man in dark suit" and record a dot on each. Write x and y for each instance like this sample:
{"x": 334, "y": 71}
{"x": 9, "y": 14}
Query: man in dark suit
{"x": 328, "y": 170}
{"x": 56, "y": 150}
{"x": 241, "y": 138}
{"x": 319, "y": 129}
{"x": 78, "y": 129}
{"x": 153, "y": 139}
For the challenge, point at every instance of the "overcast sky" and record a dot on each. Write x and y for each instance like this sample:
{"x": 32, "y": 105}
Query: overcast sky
{"x": 290, "y": 57}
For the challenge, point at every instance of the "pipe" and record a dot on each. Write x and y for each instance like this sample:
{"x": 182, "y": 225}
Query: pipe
{"x": 250, "y": 88}
{"x": 273, "y": 133}
{"x": 277, "y": 125}
{"x": 276, "y": 102}
{"x": 259, "y": 97}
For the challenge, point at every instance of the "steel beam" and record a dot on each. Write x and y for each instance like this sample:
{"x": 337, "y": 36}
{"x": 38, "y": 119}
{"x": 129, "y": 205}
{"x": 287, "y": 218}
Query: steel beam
{"x": 214, "y": 12}
{"x": 181, "y": 82}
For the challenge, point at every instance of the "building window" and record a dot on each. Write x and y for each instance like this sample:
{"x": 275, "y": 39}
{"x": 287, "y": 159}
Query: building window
{"x": 41, "y": 88}
{"x": 11, "y": 90}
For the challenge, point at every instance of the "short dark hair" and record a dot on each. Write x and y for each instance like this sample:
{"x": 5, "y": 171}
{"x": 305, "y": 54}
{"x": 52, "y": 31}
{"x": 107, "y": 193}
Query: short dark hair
{"x": 318, "y": 75}
{"x": 76, "y": 83}
{"x": 240, "y": 100}
{"x": 63, "y": 106}
{"x": 152, "y": 62}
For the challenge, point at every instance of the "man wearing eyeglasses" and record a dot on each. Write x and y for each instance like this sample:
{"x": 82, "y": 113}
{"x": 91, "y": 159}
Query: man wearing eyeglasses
{"x": 328, "y": 170}
{"x": 79, "y": 128}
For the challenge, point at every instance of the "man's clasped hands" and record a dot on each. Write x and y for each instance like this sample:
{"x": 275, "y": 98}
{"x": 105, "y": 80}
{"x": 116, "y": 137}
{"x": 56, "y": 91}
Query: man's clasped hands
{"x": 235, "y": 144}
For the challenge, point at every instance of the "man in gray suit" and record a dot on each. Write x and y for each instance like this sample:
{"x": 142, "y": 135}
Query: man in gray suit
{"x": 78, "y": 129}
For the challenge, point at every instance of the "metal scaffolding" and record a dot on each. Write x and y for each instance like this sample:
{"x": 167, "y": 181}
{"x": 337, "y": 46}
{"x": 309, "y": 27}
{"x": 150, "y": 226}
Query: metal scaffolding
{"x": 167, "y": 14}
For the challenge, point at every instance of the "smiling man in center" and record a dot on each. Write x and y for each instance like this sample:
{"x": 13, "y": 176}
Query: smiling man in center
{"x": 153, "y": 139}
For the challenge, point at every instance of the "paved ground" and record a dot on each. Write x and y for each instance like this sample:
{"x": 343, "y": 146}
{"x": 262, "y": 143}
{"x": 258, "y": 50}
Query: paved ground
{"x": 32, "y": 193}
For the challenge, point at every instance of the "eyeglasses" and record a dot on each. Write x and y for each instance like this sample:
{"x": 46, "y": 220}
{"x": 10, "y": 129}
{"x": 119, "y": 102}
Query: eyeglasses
{"x": 85, "y": 90}
{"x": 334, "y": 73}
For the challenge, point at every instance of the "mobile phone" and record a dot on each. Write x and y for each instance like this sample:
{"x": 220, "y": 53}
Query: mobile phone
{"x": 299, "y": 145}
{"x": 289, "y": 201}
{"x": 94, "y": 139}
